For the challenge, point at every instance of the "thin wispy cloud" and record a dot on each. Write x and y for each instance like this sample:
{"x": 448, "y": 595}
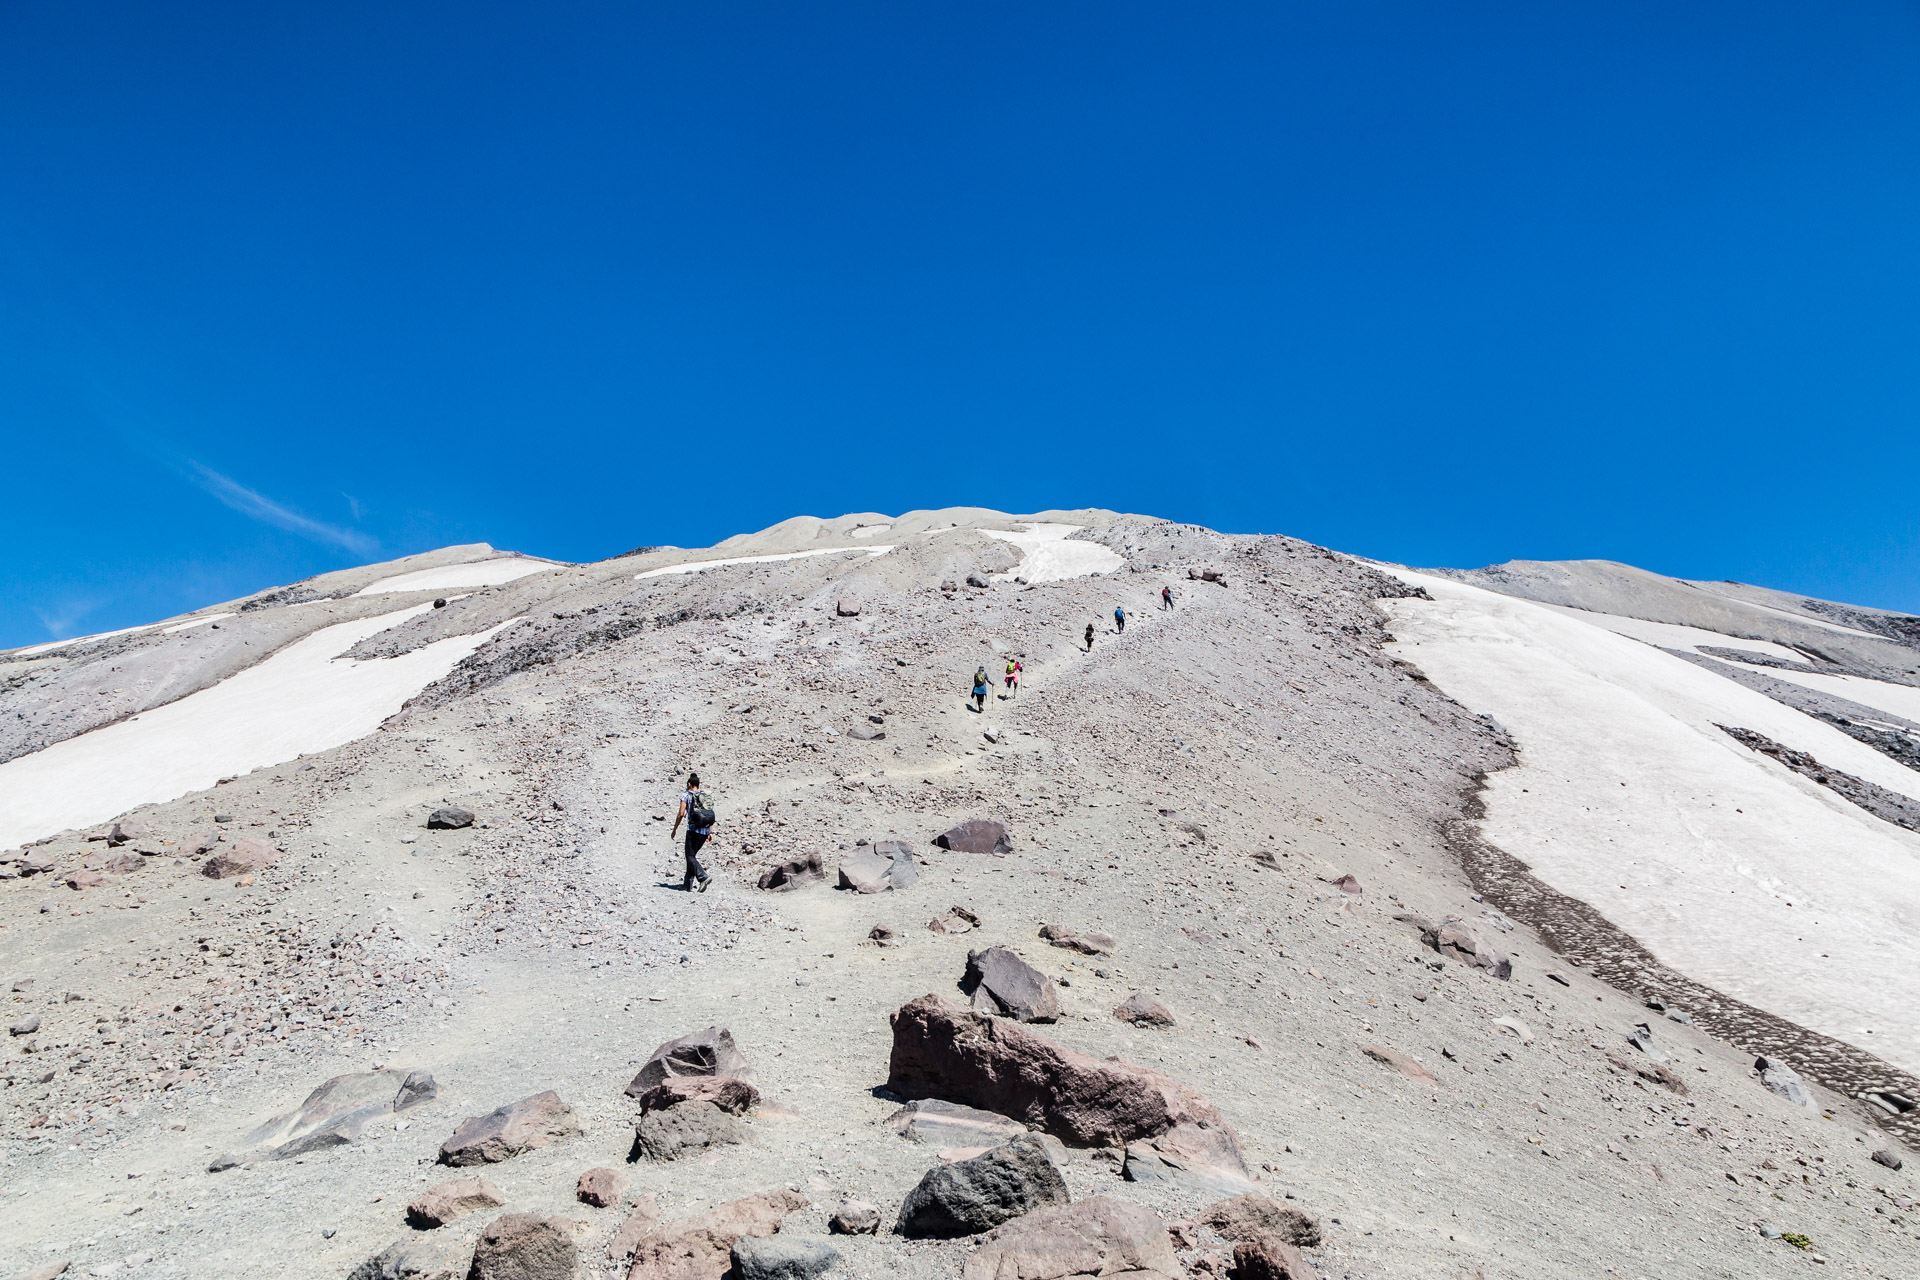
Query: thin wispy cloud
{"x": 63, "y": 619}
{"x": 257, "y": 506}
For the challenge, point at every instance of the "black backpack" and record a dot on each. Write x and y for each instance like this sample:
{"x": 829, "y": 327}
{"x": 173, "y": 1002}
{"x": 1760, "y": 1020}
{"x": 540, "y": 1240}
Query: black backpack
{"x": 699, "y": 811}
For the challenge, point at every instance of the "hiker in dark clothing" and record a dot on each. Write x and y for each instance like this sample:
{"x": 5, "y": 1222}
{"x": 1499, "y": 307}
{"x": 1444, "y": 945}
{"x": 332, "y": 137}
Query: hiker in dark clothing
{"x": 1089, "y": 637}
{"x": 1166, "y": 597}
{"x": 1120, "y": 621}
{"x": 694, "y": 802}
{"x": 980, "y": 690}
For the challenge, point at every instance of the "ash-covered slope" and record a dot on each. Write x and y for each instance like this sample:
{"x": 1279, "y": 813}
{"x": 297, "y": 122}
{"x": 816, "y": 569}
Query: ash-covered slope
{"x": 1251, "y": 794}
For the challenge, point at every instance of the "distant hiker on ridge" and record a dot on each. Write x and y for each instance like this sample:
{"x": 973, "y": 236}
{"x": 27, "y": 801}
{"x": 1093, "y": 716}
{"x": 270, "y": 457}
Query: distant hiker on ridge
{"x": 1089, "y": 637}
{"x": 1166, "y": 597}
{"x": 698, "y": 811}
{"x": 980, "y": 690}
{"x": 1120, "y": 621}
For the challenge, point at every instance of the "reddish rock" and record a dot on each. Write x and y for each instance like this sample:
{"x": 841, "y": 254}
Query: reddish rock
{"x": 1087, "y": 944}
{"x": 443, "y": 1202}
{"x": 197, "y": 844}
{"x": 121, "y": 832}
{"x": 638, "y": 1224}
{"x": 703, "y": 1053}
{"x": 956, "y": 920}
{"x": 525, "y": 1246}
{"x": 1268, "y": 1257}
{"x": 1346, "y": 884}
{"x": 1455, "y": 939}
{"x": 242, "y": 858}
{"x": 729, "y": 1093}
{"x": 976, "y": 835}
{"x": 701, "y": 1248}
{"x": 518, "y": 1127}
{"x": 601, "y": 1188}
{"x": 1245, "y": 1217}
{"x": 1143, "y": 1011}
{"x": 1399, "y": 1062}
{"x": 121, "y": 863}
{"x": 803, "y": 869}
{"x": 940, "y": 1051}
{"x": 1097, "y": 1237}
{"x": 84, "y": 879}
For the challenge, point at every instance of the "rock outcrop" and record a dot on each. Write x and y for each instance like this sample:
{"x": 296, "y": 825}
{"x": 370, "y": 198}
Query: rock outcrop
{"x": 703, "y": 1053}
{"x": 1097, "y": 1237}
{"x": 525, "y": 1246}
{"x": 976, "y": 835}
{"x": 1455, "y": 939}
{"x": 334, "y": 1115}
{"x": 1003, "y": 985}
{"x": 701, "y": 1248}
{"x": 511, "y": 1130}
{"x": 976, "y": 1195}
{"x": 445, "y": 1201}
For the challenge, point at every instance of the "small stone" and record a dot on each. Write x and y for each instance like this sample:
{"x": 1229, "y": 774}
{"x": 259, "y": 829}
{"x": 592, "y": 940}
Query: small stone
{"x": 1887, "y": 1156}
{"x": 443, "y": 1202}
{"x": 1268, "y": 1257}
{"x": 1089, "y": 944}
{"x": 855, "y": 1218}
{"x": 1399, "y": 1062}
{"x": 1561, "y": 978}
{"x": 449, "y": 819}
{"x": 242, "y": 858}
{"x": 954, "y": 920}
{"x": 847, "y": 608}
{"x": 976, "y": 835}
{"x": 25, "y": 1026}
{"x": 1143, "y": 1010}
{"x": 796, "y": 872}
{"x": 601, "y": 1187}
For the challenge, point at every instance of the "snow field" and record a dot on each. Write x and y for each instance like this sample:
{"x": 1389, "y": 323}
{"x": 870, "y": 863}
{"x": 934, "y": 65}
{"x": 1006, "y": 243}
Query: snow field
{"x": 474, "y": 573}
{"x": 1723, "y": 863}
{"x": 303, "y": 699}
{"x": 1047, "y": 556}
{"x": 697, "y": 565}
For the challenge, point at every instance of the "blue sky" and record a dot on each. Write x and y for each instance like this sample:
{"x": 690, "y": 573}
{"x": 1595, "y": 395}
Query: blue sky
{"x": 289, "y": 287}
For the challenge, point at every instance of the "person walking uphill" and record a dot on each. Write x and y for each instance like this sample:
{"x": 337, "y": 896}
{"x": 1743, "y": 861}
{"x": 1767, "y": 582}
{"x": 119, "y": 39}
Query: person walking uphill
{"x": 1166, "y": 597}
{"x": 1089, "y": 637}
{"x": 980, "y": 690}
{"x": 1120, "y": 621}
{"x": 1013, "y": 678}
{"x": 698, "y": 811}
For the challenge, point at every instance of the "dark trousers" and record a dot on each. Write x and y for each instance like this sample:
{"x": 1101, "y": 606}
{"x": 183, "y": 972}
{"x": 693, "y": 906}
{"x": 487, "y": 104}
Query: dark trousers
{"x": 695, "y": 839}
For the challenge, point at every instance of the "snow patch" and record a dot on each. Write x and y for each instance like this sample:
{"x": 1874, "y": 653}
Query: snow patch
{"x": 1047, "y": 556}
{"x": 195, "y": 622}
{"x": 303, "y": 699}
{"x": 474, "y": 573}
{"x": 1721, "y": 862}
{"x": 697, "y": 565}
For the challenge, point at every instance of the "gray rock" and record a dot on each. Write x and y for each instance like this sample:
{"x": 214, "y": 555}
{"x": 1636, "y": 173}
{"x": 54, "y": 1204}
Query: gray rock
{"x": 334, "y": 1115}
{"x": 1785, "y": 1081}
{"x": 25, "y": 1026}
{"x": 866, "y": 733}
{"x": 685, "y": 1130}
{"x": 1887, "y": 1156}
{"x": 1097, "y": 1237}
{"x": 703, "y": 1053}
{"x": 1455, "y": 939}
{"x": 948, "y": 1124}
{"x": 976, "y": 835}
{"x": 525, "y": 1246}
{"x": 796, "y": 872}
{"x": 847, "y": 607}
{"x": 408, "y": 1258}
{"x": 855, "y": 1218}
{"x": 781, "y": 1257}
{"x": 882, "y": 867}
{"x": 1087, "y": 944}
{"x": 977, "y": 580}
{"x": 518, "y": 1127}
{"x": 449, "y": 819}
{"x": 1004, "y": 985}
{"x": 977, "y": 1195}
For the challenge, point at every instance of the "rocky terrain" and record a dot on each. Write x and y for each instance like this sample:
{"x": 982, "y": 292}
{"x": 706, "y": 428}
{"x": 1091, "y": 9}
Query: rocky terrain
{"x": 408, "y": 1004}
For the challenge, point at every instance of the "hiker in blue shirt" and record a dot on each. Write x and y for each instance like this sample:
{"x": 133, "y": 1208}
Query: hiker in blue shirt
{"x": 1120, "y": 620}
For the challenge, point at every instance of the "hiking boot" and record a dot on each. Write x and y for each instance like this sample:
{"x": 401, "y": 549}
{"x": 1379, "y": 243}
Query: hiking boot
{"x": 704, "y": 882}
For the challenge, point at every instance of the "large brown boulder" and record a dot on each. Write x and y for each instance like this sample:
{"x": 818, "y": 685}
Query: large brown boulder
{"x": 1249, "y": 1216}
{"x": 729, "y": 1093}
{"x": 518, "y": 1127}
{"x": 703, "y": 1053}
{"x": 701, "y": 1248}
{"x": 976, "y": 835}
{"x": 940, "y": 1051}
{"x": 241, "y": 858}
{"x": 1268, "y": 1258}
{"x": 1097, "y": 1237}
{"x": 1455, "y": 939}
{"x": 685, "y": 1130}
{"x": 445, "y": 1201}
{"x": 525, "y": 1246}
{"x": 1004, "y": 985}
{"x": 970, "y": 1196}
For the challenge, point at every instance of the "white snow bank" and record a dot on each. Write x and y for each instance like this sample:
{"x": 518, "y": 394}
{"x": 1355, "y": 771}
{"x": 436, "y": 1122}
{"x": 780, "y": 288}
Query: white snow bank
{"x": 1047, "y": 556}
{"x": 474, "y": 573}
{"x": 697, "y": 565}
{"x": 1895, "y": 699}
{"x": 32, "y": 649}
{"x": 304, "y": 698}
{"x": 1720, "y": 861}
{"x": 1670, "y": 635}
{"x": 195, "y": 622}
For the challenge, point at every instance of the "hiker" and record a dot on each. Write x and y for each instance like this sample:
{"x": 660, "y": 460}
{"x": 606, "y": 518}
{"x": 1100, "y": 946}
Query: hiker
{"x": 1089, "y": 637}
{"x": 1013, "y": 679}
{"x": 1166, "y": 597}
{"x": 1120, "y": 621}
{"x": 698, "y": 811}
{"x": 980, "y": 690}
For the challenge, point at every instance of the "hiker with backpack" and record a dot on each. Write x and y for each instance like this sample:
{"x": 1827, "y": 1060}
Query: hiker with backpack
{"x": 698, "y": 811}
{"x": 1089, "y": 637}
{"x": 1166, "y": 597}
{"x": 1120, "y": 621}
{"x": 980, "y": 690}
{"x": 1013, "y": 679}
